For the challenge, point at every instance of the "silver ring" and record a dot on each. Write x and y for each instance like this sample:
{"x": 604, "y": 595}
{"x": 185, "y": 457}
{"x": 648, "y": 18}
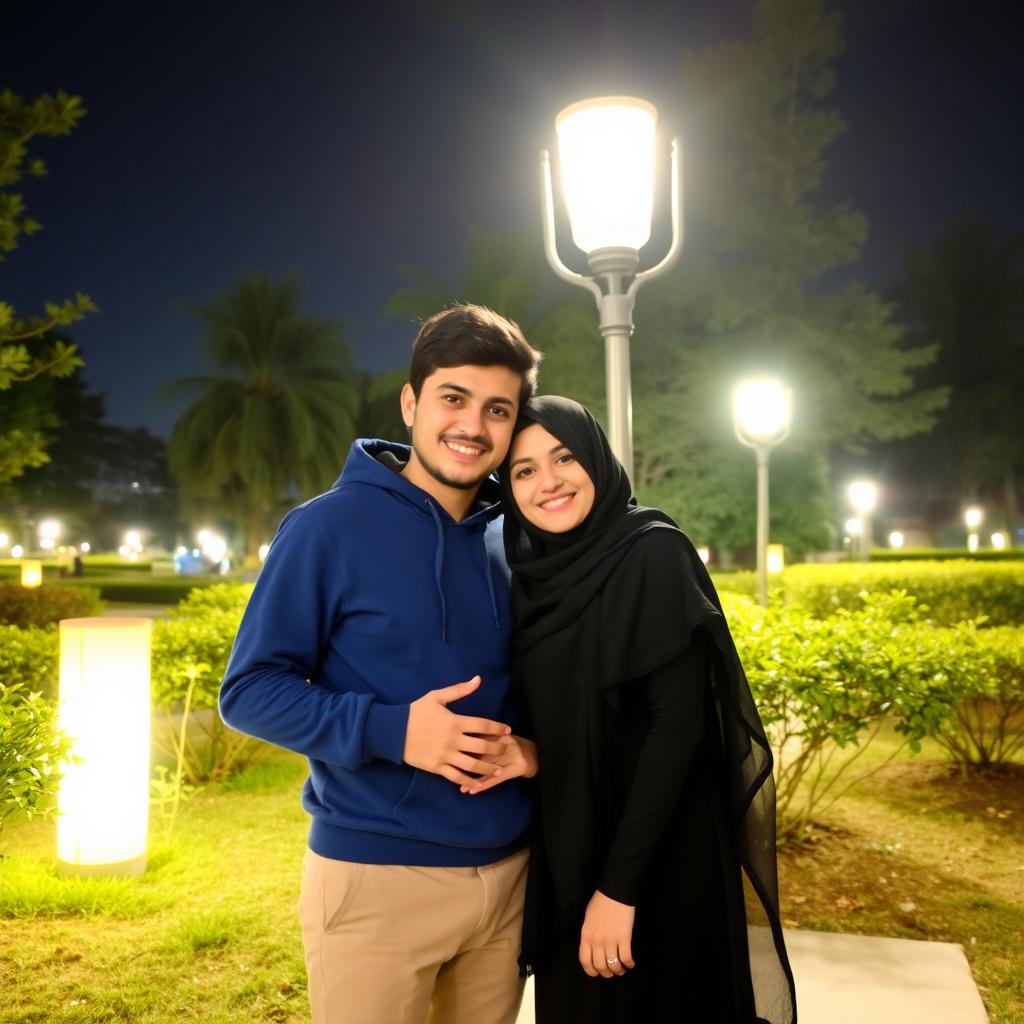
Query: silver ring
{"x": 614, "y": 960}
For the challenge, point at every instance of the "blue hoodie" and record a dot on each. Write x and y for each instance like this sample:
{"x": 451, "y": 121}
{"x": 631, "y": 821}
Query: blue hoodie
{"x": 370, "y": 596}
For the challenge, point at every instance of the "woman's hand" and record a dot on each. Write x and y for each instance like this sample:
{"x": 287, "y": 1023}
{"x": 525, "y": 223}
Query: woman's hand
{"x": 518, "y": 759}
{"x": 606, "y": 937}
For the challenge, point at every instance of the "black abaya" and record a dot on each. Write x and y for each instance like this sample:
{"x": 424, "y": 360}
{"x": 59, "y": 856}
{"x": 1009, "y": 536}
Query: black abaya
{"x": 655, "y": 775}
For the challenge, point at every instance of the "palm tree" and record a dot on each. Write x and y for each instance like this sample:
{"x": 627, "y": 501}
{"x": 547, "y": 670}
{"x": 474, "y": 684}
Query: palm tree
{"x": 277, "y": 413}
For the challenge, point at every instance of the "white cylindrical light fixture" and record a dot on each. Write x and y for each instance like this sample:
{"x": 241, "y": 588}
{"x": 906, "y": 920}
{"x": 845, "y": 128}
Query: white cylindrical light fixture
{"x": 103, "y": 802}
{"x": 31, "y": 572}
{"x": 606, "y": 153}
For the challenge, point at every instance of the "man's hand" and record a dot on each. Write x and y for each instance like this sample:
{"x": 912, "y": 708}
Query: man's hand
{"x": 439, "y": 741}
{"x": 606, "y": 937}
{"x": 517, "y": 759}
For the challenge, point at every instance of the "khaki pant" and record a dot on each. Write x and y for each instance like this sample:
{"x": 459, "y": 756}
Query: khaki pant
{"x": 386, "y": 944}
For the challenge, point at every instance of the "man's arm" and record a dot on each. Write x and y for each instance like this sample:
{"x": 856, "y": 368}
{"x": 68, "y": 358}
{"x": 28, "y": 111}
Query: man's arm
{"x": 293, "y": 611}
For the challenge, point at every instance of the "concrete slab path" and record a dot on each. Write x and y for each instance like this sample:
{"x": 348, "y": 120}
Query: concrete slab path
{"x": 853, "y": 979}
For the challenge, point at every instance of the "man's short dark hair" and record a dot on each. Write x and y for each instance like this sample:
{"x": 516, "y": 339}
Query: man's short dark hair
{"x": 469, "y": 335}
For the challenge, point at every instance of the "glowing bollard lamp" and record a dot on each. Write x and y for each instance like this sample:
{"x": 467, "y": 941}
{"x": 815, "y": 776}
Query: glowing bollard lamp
{"x": 103, "y": 802}
{"x": 606, "y": 148}
{"x": 31, "y": 573}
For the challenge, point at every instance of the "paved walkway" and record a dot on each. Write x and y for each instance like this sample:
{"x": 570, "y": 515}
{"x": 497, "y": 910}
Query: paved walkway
{"x": 853, "y": 979}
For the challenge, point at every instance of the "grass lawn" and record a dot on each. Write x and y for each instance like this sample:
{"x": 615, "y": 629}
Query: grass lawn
{"x": 209, "y": 933}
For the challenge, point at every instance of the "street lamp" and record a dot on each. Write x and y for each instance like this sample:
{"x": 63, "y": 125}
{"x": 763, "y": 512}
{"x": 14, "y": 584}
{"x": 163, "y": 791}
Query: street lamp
{"x": 607, "y": 148}
{"x": 863, "y": 496}
{"x": 973, "y": 517}
{"x": 761, "y": 415}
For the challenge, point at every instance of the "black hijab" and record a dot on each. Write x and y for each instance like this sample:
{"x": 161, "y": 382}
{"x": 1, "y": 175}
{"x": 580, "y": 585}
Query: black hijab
{"x": 597, "y": 608}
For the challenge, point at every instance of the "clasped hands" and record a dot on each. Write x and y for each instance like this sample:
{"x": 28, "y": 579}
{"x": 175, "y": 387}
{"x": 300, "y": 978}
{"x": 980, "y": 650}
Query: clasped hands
{"x": 475, "y": 753}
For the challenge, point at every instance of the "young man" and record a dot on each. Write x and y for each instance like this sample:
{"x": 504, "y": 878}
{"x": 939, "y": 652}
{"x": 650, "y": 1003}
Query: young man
{"x": 381, "y": 603}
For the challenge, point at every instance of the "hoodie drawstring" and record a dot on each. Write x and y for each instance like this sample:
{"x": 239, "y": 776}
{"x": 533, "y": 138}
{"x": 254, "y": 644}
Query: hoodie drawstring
{"x": 438, "y": 566}
{"x": 490, "y": 581}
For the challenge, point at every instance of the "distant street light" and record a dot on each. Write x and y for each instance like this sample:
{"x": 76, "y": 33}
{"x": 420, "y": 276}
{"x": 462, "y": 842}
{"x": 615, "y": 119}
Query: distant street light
{"x": 606, "y": 155}
{"x": 973, "y": 517}
{"x": 863, "y": 495}
{"x": 999, "y": 541}
{"x": 761, "y": 415}
{"x": 896, "y": 540}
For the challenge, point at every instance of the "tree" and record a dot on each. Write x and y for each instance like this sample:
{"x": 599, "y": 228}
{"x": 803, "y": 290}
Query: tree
{"x": 964, "y": 295}
{"x": 275, "y": 415}
{"x": 28, "y": 349}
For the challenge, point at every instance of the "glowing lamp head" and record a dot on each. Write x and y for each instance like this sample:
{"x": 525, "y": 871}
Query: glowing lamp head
{"x": 606, "y": 151}
{"x": 17, "y": 551}
{"x": 49, "y": 529}
{"x": 973, "y": 517}
{"x": 4, "y": 540}
{"x": 104, "y": 707}
{"x": 998, "y": 541}
{"x": 863, "y": 495}
{"x": 31, "y": 573}
{"x": 853, "y": 527}
{"x": 896, "y": 539}
{"x": 776, "y": 558}
{"x": 264, "y": 551}
{"x": 761, "y": 411}
{"x": 85, "y": 547}
{"x": 705, "y": 553}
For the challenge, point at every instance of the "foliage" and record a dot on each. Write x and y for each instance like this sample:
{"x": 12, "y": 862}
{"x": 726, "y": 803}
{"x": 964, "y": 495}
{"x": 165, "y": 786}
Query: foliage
{"x": 28, "y": 658}
{"x": 986, "y": 670}
{"x": 826, "y": 687}
{"x": 951, "y": 592}
{"x": 277, "y": 411}
{"x": 28, "y": 349}
{"x": 190, "y": 654}
{"x": 31, "y": 750}
{"x": 946, "y": 554}
{"x": 44, "y": 606}
{"x": 963, "y": 294}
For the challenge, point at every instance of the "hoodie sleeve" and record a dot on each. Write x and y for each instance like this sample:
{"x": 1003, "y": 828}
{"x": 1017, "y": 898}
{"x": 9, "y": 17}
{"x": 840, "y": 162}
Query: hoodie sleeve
{"x": 296, "y": 606}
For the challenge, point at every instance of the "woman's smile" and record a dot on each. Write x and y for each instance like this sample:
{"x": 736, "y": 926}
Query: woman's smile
{"x": 551, "y": 488}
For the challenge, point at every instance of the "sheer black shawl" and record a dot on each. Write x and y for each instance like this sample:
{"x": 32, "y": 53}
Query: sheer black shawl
{"x": 598, "y": 607}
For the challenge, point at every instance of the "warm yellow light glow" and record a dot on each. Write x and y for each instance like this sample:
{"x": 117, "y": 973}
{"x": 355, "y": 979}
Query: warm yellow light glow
{"x": 103, "y": 801}
{"x": 17, "y": 551}
{"x": 49, "y": 529}
{"x": 46, "y": 543}
{"x": 853, "y": 527}
{"x": 85, "y": 547}
{"x": 896, "y": 539}
{"x": 31, "y": 573}
{"x": 972, "y": 542}
{"x": 998, "y": 541}
{"x": 776, "y": 558}
{"x": 4, "y": 540}
{"x": 973, "y": 517}
{"x": 124, "y": 551}
{"x": 133, "y": 540}
{"x": 264, "y": 551}
{"x": 606, "y": 150}
{"x": 761, "y": 409}
{"x": 705, "y": 553}
{"x": 863, "y": 495}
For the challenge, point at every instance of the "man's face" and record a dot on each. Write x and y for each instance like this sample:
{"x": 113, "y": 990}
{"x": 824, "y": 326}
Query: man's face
{"x": 462, "y": 422}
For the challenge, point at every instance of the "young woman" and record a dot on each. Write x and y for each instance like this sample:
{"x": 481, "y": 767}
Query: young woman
{"x": 655, "y": 785}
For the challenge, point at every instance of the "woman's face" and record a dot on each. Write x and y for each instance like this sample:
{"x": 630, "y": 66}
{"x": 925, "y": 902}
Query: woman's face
{"x": 550, "y": 487}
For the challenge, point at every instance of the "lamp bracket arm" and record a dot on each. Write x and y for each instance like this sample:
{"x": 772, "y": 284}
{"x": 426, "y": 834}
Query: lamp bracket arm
{"x": 677, "y": 223}
{"x": 550, "y": 246}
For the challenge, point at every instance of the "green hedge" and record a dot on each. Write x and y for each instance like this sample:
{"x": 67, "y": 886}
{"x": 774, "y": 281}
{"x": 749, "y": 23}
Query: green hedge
{"x": 143, "y": 590}
{"x": 946, "y": 554}
{"x": 44, "y": 606}
{"x": 952, "y": 592}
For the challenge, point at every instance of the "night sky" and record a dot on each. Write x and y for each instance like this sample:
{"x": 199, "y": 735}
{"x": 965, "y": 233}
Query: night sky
{"x": 341, "y": 141}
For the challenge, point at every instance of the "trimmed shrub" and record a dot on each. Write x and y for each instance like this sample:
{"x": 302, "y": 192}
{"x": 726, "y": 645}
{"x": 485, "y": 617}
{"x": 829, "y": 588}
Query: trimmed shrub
{"x": 190, "y": 654}
{"x": 951, "y": 592}
{"x": 28, "y": 658}
{"x": 825, "y": 687}
{"x": 31, "y": 750}
{"x": 986, "y": 670}
{"x": 43, "y": 606}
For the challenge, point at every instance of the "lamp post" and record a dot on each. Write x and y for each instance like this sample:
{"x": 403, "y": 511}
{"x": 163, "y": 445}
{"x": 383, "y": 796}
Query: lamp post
{"x": 761, "y": 415}
{"x": 863, "y": 495}
{"x": 973, "y": 517}
{"x": 606, "y": 149}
